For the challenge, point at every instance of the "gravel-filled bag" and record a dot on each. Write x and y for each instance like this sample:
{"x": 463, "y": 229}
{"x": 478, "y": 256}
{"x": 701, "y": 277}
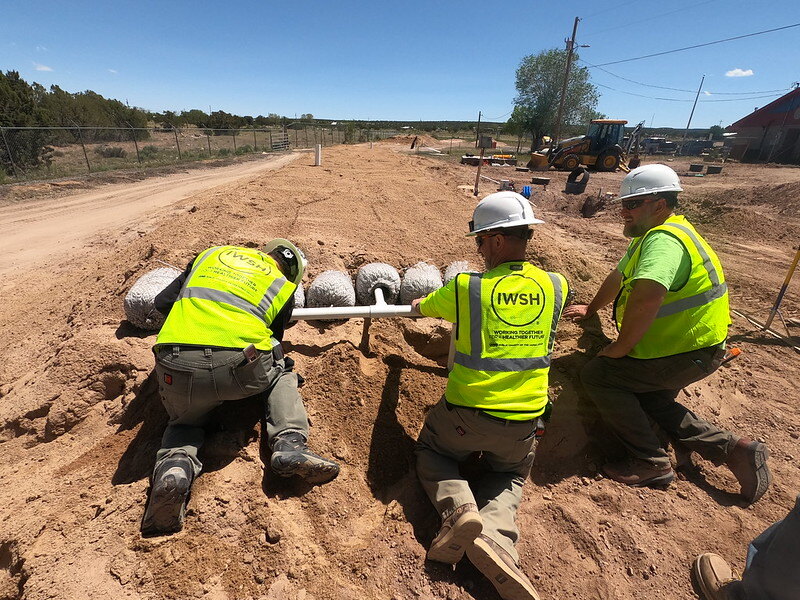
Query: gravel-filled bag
{"x": 454, "y": 268}
{"x": 331, "y": 288}
{"x": 377, "y": 275}
{"x": 139, "y": 303}
{"x": 419, "y": 281}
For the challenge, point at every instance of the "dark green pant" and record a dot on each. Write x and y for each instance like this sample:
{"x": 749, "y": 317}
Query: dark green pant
{"x": 194, "y": 381}
{"x": 626, "y": 393}
{"x": 450, "y": 435}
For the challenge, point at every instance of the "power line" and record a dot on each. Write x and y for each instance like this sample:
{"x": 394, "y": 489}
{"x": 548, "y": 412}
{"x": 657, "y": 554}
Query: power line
{"x": 738, "y": 37}
{"x": 661, "y": 87}
{"x": 693, "y": 5}
{"x": 500, "y": 117}
{"x": 680, "y": 99}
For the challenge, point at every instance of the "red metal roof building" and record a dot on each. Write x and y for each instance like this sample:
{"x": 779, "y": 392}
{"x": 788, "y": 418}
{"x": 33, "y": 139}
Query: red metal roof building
{"x": 770, "y": 133}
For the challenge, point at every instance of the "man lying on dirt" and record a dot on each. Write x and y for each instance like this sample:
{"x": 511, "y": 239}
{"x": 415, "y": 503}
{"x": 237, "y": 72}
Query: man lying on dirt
{"x": 506, "y": 322}
{"x": 222, "y": 341}
{"x": 671, "y": 309}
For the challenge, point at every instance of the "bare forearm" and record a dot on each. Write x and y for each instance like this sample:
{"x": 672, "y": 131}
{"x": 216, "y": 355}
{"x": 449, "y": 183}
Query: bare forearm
{"x": 606, "y": 294}
{"x": 640, "y": 312}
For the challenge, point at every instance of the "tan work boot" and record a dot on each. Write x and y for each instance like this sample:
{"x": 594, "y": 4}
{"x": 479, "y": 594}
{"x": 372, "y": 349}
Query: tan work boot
{"x": 498, "y": 567}
{"x": 457, "y": 533}
{"x": 639, "y": 473}
{"x": 748, "y": 462}
{"x": 714, "y": 577}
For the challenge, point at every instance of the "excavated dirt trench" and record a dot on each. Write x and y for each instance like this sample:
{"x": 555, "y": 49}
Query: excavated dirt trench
{"x": 80, "y": 418}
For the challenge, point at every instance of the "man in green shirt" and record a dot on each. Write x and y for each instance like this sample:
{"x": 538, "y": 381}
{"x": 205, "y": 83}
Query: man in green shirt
{"x": 505, "y": 321}
{"x": 671, "y": 309}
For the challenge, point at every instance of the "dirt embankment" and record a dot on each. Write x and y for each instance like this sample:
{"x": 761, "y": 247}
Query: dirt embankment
{"x": 80, "y": 418}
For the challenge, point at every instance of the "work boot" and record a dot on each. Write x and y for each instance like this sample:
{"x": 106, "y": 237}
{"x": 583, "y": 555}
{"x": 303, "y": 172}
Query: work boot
{"x": 639, "y": 473}
{"x": 457, "y": 533}
{"x": 291, "y": 456}
{"x": 169, "y": 493}
{"x": 714, "y": 577}
{"x": 748, "y": 462}
{"x": 498, "y": 567}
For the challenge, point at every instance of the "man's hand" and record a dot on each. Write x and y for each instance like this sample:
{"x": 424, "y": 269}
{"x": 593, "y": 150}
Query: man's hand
{"x": 415, "y": 306}
{"x": 613, "y": 350}
{"x": 576, "y": 312}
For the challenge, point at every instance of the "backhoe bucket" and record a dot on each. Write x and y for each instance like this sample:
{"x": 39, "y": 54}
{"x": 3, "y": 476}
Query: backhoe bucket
{"x": 537, "y": 161}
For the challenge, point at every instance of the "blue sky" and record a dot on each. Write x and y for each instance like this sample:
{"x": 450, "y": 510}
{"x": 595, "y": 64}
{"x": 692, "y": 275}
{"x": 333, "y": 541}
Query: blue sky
{"x": 404, "y": 60}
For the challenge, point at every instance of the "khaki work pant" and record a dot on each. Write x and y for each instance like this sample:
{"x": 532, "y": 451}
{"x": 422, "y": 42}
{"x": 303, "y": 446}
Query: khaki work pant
{"x": 450, "y": 435}
{"x": 194, "y": 381}
{"x": 626, "y": 393}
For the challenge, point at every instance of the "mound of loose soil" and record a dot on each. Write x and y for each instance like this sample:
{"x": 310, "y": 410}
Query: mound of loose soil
{"x": 80, "y": 418}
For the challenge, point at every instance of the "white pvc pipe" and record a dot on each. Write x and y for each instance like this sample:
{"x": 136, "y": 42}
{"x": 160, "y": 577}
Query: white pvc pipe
{"x": 379, "y": 309}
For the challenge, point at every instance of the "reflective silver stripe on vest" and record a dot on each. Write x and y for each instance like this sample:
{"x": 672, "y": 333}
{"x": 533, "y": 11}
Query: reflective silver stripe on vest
{"x": 260, "y": 311}
{"x": 717, "y": 290}
{"x": 559, "y": 294}
{"x": 478, "y": 363}
{"x": 475, "y": 361}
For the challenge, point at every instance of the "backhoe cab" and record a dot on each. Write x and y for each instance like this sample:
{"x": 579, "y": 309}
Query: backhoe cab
{"x": 601, "y": 148}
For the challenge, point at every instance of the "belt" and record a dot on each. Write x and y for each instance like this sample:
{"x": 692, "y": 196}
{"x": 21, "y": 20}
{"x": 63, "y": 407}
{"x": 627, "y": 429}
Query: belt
{"x": 483, "y": 413}
{"x": 175, "y": 349}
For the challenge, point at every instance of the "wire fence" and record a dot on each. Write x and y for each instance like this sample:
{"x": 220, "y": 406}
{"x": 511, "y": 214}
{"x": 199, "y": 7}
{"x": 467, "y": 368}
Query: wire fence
{"x": 29, "y": 153}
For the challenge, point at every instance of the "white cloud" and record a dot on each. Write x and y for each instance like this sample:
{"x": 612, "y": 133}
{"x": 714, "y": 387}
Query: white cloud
{"x": 41, "y": 48}
{"x": 113, "y": 71}
{"x": 707, "y": 93}
{"x": 39, "y": 67}
{"x": 739, "y": 73}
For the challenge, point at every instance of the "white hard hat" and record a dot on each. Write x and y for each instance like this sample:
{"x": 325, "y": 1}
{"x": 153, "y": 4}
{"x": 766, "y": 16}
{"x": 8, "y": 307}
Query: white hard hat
{"x": 290, "y": 256}
{"x": 649, "y": 179}
{"x": 502, "y": 210}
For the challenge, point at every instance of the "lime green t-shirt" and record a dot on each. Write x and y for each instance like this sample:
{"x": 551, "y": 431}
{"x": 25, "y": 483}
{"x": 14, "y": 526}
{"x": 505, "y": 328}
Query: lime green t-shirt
{"x": 663, "y": 260}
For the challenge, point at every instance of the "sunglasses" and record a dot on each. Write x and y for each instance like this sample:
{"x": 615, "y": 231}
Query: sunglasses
{"x": 479, "y": 239}
{"x": 632, "y": 203}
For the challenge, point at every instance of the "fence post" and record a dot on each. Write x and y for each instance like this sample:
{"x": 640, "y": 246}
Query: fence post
{"x": 270, "y": 140}
{"x": 295, "y": 138}
{"x": 233, "y": 135}
{"x": 208, "y": 139}
{"x": 10, "y": 156}
{"x": 86, "y": 156}
{"x": 255, "y": 142}
{"x": 177, "y": 143}
{"x": 135, "y": 144}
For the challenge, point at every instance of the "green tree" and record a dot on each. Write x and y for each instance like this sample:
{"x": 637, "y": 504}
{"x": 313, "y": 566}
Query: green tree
{"x": 716, "y": 132}
{"x": 539, "y": 80}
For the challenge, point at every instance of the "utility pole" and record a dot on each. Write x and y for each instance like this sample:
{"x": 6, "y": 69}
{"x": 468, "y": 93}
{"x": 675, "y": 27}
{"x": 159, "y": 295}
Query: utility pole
{"x": 478, "y": 132}
{"x": 570, "y": 48}
{"x": 691, "y": 114}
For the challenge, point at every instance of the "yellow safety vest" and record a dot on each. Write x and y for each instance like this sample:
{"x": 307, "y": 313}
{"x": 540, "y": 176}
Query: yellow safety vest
{"x": 229, "y": 299}
{"x": 505, "y": 329}
{"x": 693, "y": 317}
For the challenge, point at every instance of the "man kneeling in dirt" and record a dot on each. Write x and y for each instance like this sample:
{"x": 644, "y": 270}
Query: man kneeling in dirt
{"x": 671, "y": 308}
{"x": 221, "y": 341}
{"x": 506, "y": 322}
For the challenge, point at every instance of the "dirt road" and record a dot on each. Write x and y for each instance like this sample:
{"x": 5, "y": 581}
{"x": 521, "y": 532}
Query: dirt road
{"x": 30, "y": 232}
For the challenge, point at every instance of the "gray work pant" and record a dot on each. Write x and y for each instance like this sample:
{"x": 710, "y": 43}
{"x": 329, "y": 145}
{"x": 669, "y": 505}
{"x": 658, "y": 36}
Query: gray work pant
{"x": 627, "y": 392}
{"x": 772, "y": 563}
{"x": 450, "y": 435}
{"x": 194, "y": 381}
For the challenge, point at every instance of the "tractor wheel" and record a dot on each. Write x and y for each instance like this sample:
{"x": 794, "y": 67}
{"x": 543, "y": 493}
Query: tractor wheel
{"x": 571, "y": 162}
{"x": 607, "y": 161}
